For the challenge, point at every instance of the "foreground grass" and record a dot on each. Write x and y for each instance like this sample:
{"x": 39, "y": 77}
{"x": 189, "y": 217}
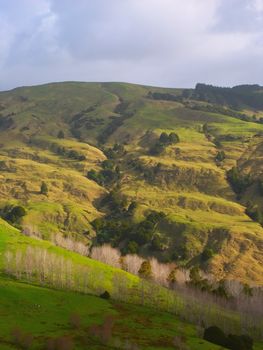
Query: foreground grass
{"x": 46, "y": 313}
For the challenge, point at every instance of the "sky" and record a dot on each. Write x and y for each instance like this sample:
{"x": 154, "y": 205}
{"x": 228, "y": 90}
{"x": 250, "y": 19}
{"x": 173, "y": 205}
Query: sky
{"x": 173, "y": 43}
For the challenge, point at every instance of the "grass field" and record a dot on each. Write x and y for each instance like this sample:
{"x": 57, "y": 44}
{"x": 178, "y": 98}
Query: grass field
{"x": 46, "y": 313}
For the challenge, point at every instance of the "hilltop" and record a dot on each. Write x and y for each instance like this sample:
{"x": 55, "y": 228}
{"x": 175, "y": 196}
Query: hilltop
{"x": 174, "y": 173}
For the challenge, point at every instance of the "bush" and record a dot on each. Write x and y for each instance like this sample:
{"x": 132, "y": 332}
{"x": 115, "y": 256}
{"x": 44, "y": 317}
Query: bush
{"x": 242, "y": 342}
{"x": 164, "y": 140}
{"x": 16, "y": 213}
{"x": 220, "y": 156}
{"x": 215, "y": 335}
{"x": 105, "y": 295}
{"x": 145, "y": 270}
{"x": 44, "y": 189}
{"x": 61, "y": 134}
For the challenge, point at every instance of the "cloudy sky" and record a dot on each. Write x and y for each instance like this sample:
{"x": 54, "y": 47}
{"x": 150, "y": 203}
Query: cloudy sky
{"x": 172, "y": 43}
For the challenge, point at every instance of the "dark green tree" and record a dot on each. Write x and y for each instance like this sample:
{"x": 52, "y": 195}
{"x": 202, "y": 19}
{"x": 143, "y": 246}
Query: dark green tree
{"x": 215, "y": 335}
{"x": 44, "y": 189}
{"x": 164, "y": 138}
{"x": 173, "y": 138}
{"x": 132, "y": 247}
{"x": 15, "y": 214}
{"x": 61, "y": 134}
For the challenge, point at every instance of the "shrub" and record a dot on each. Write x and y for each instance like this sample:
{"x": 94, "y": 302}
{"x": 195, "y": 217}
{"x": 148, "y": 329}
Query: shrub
{"x": 173, "y": 138}
{"x": 242, "y": 342}
{"x": 157, "y": 149}
{"x": 220, "y": 156}
{"x": 61, "y": 134}
{"x": 164, "y": 138}
{"x": 105, "y": 295}
{"x": 215, "y": 335}
{"x": 16, "y": 213}
{"x": 145, "y": 270}
{"x": 44, "y": 188}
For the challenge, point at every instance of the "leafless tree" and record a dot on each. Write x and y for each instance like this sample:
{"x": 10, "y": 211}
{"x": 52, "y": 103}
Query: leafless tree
{"x": 107, "y": 255}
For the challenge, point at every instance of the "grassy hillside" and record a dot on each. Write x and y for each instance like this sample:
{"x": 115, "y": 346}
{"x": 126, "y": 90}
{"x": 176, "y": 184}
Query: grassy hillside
{"x": 39, "y": 315}
{"x": 46, "y": 314}
{"x": 57, "y": 133}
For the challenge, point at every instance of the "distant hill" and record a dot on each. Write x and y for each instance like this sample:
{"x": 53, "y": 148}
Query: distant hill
{"x": 172, "y": 173}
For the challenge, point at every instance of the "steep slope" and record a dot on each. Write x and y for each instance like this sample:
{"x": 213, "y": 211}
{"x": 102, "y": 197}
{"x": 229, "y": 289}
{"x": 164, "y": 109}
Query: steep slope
{"x": 57, "y": 133}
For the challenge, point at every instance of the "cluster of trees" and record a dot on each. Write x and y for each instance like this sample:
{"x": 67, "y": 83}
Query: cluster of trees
{"x": 164, "y": 141}
{"x": 109, "y": 174}
{"x": 164, "y": 96}
{"x": 235, "y": 97}
{"x": 69, "y": 153}
{"x": 217, "y": 336}
{"x": 42, "y": 266}
{"x": 163, "y": 274}
{"x": 71, "y": 244}
{"x": 116, "y": 230}
{"x": 82, "y": 121}
{"x": 198, "y": 280}
{"x": 220, "y": 110}
{"x": 13, "y": 214}
{"x": 120, "y": 109}
{"x": 239, "y": 181}
{"x": 115, "y": 152}
{"x": 254, "y": 213}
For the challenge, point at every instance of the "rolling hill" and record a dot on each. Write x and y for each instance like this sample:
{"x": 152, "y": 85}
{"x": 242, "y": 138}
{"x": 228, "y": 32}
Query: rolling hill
{"x": 109, "y": 157}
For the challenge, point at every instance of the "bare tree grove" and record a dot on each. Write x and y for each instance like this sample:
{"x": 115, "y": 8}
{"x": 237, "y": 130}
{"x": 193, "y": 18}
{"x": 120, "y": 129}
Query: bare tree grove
{"x": 47, "y": 268}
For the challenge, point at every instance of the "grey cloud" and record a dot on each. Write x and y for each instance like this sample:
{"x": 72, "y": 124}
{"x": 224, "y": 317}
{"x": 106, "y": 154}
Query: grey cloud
{"x": 161, "y": 42}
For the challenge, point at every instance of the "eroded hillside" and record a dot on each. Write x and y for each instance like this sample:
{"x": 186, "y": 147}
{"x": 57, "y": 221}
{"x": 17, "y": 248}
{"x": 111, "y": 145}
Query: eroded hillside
{"x": 103, "y": 153}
